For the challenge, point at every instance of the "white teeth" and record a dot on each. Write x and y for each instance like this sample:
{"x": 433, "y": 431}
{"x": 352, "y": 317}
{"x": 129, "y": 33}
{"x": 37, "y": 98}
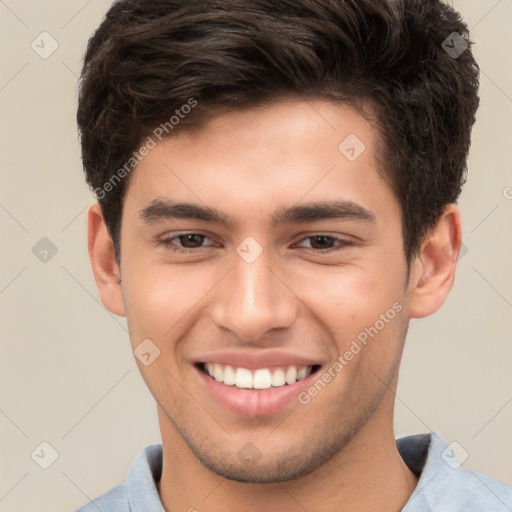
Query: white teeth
{"x": 291, "y": 375}
{"x": 229, "y": 375}
{"x": 262, "y": 378}
{"x": 302, "y": 373}
{"x": 278, "y": 378}
{"x": 218, "y": 373}
{"x": 243, "y": 378}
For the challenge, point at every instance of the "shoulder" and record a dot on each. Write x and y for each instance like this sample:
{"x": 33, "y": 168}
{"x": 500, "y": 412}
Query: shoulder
{"x": 461, "y": 490}
{"x": 115, "y": 500}
{"x": 139, "y": 493}
{"x": 475, "y": 491}
{"x": 444, "y": 485}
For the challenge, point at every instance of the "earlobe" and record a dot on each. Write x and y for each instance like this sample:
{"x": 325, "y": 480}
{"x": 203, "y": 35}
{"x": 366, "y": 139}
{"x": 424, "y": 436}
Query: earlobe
{"x": 434, "y": 268}
{"x": 104, "y": 266}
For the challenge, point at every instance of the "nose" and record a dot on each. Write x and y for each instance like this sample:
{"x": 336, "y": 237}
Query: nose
{"x": 254, "y": 299}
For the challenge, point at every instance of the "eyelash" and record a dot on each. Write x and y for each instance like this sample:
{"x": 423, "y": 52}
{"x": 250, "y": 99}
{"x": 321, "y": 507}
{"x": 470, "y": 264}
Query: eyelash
{"x": 168, "y": 243}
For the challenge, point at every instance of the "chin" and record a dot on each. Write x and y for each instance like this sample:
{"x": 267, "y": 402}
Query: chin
{"x": 249, "y": 465}
{"x": 262, "y": 473}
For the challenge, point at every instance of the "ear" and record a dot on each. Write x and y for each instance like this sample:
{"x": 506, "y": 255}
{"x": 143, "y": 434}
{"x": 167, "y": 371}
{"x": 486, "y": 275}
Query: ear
{"x": 104, "y": 266}
{"x": 433, "y": 270}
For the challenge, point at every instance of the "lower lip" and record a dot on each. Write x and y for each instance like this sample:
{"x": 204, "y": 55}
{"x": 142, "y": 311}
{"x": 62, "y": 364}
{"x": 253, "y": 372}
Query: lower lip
{"x": 254, "y": 402}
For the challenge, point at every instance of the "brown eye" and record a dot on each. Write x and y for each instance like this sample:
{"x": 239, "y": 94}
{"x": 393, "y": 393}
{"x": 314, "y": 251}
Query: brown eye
{"x": 184, "y": 241}
{"x": 191, "y": 241}
{"x": 324, "y": 243}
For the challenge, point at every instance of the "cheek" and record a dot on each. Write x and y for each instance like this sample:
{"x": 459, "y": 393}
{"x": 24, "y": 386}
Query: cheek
{"x": 158, "y": 297}
{"x": 349, "y": 297}
{"x": 363, "y": 308}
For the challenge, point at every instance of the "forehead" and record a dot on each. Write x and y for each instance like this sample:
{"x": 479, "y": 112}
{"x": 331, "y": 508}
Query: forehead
{"x": 287, "y": 153}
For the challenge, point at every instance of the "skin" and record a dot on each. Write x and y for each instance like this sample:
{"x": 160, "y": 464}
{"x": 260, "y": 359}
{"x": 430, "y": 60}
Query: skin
{"x": 248, "y": 164}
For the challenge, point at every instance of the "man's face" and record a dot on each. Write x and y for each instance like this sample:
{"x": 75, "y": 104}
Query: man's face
{"x": 262, "y": 296}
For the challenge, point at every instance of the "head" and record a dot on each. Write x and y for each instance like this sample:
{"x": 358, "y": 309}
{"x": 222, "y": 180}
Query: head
{"x": 258, "y": 112}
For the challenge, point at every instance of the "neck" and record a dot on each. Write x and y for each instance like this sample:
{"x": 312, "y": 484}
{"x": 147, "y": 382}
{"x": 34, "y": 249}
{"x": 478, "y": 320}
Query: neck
{"x": 368, "y": 474}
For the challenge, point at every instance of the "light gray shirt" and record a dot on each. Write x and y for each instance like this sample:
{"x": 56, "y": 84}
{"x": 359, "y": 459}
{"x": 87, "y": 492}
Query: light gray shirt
{"x": 443, "y": 486}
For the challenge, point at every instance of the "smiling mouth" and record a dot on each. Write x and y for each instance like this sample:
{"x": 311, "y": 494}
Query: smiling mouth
{"x": 258, "y": 379}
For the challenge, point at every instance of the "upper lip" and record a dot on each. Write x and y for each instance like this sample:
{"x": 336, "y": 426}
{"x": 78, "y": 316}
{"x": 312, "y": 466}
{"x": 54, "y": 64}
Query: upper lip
{"x": 257, "y": 358}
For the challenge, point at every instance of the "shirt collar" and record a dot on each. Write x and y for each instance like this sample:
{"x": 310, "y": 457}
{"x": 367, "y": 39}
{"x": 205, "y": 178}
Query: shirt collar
{"x": 142, "y": 478}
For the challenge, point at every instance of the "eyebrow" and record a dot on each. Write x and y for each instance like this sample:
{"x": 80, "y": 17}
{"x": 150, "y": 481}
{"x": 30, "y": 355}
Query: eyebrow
{"x": 162, "y": 209}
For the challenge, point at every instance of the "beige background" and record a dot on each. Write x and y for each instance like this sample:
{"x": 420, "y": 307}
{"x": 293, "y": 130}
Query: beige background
{"x": 67, "y": 374}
